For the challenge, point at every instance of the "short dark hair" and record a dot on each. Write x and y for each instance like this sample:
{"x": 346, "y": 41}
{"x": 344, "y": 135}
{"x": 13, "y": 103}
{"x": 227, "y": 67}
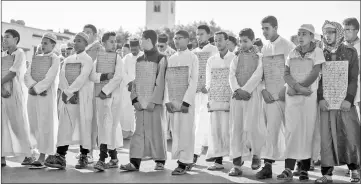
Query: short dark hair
{"x": 189, "y": 46}
{"x": 225, "y": 35}
{"x": 351, "y": 22}
{"x": 14, "y": 33}
{"x": 205, "y": 27}
{"x": 107, "y": 35}
{"x": 92, "y": 27}
{"x": 126, "y": 45}
{"x": 52, "y": 41}
{"x": 247, "y": 32}
{"x": 232, "y": 39}
{"x": 184, "y": 33}
{"x": 258, "y": 42}
{"x": 151, "y": 34}
{"x": 271, "y": 20}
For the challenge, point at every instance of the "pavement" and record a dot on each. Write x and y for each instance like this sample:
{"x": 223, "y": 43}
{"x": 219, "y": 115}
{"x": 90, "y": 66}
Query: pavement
{"x": 14, "y": 172}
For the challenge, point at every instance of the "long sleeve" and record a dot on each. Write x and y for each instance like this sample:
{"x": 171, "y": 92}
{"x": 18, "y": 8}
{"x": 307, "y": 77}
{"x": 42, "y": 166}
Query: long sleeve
{"x": 311, "y": 78}
{"x": 288, "y": 77}
{"x": 232, "y": 74}
{"x": 158, "y": 92}
{"x": 116, "y": 80}
{"x": 126, "y": 79}
{"x": 255, "y": 79}
{"x": 209, "y": 73}
{"x": 94, "y": 76}
{"x": 81, "y": 79}
{"x": 193, "y": 80}
{"x": 29, "y": 81}
{"x": 50, "y": 76}
{"x": 19, "y": 62}
{"x": 352, "y": 77}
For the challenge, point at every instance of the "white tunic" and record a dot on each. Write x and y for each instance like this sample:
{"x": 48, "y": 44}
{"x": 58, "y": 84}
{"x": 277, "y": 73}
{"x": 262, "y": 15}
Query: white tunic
{"x": 110, "y": 109}
{"x": 301, "y": 116}
{"x": 127, "y": 118}
{"x": 75, "y": 120}
{"x": 202, "y": 115}
{"x": 246, "y": 120}
{"x": 15, "y": 130}
{"x": 42, "y": 110}
{"x": 274, "y": 113}
{"x": 218, "y": 139}
{"x": 183, "y": 123}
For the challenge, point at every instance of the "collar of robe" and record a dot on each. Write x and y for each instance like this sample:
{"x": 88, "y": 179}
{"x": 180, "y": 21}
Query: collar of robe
{"x": 201, "y": 45}
{"x": 310, "y": 49}
{"x": 352, "y": 43}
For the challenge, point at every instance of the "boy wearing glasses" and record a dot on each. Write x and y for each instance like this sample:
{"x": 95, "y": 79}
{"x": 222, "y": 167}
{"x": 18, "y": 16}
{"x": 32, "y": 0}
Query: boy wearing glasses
{"x": 340, "y": 129}
{"x": 183, "y": 119}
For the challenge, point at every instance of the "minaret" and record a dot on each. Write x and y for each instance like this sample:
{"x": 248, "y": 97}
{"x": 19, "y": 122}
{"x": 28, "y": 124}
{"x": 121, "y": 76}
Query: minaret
{"x": 160, "y": 14}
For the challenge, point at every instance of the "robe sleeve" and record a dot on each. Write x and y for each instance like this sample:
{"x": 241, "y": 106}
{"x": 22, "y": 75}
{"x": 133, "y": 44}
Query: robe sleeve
{"x": 19, "y": 62}
{"x": 232, "y": 74}
{"x": 255, "y": 79}
{"x": 315, "y": 73}
{"x": 29, "y": 81}
{"x": 352, "y": 76}
{"x": 158, "y": 92}
{"x": 81, "y": 79}
{"x": 94, "y": 76}
{"x": 193, "y": 80}
{"x": 50, "y": 76}
{"x": 126, "y": 71}
{"x": 320, "y": 90}
{"x": 208, "y": 73}
{"x": 116, "y": 80}
{"x": 166, "y": 95}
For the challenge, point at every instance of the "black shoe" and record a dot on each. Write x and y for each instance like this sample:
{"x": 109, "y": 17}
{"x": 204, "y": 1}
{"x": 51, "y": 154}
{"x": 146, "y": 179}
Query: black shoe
{"x": 303, "y": 176}
{"x": 212, "y": 159}
{"x": 82, "y": 162}
{"x": 55, "y": 161}
{"x": 266, "y": 172}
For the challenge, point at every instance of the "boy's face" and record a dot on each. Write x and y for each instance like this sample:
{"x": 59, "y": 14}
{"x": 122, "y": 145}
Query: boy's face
{"x": 220, "y": 42}
{"x": 111, "y": 44}
{"x": 245, "y": 42}
{"x": 304, "y": 37}
{"x": 202, "y": 35}
{"x": 162, "y": 46}
{"x": 46, "y": 45}
{"x": 133, "y": 50}
{"x": 330, "y": 35}
{"x": 90, "y": 33}
{"x": 125, "y": 51}
{"x": 146, "y": 43}
{"x": 268, "y": 30}
{"x": 350, "y": 32}
{"x": 231, "y": 46}
{"x": 9, "y": 40}
{"x": 79, "y": 44}
{"x": 180, "y": 41}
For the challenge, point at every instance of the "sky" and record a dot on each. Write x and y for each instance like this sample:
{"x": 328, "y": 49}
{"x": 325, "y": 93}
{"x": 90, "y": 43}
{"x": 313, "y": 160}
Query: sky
{"x": 130, "y": 15}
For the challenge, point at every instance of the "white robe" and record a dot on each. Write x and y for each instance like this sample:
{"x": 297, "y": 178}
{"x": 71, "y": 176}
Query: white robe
{"x": 182, "y": 124}
{"x": 246, "y": 120}
{"x": 127, "y": 118}
{"x": 109, "y": 110}
{"x": 201, "y": 110}
{"x": 166, "y": 124}
{"x": 42, "y": 110}
{"x": 274, "y": 113}
{"x": 75, "y": 120}
{"x": 302, "y": 128}
{"x": 218, "y": 139}
{"x": 15, "y": 131}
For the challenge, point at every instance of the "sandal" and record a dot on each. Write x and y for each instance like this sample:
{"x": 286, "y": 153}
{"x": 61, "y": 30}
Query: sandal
{"x": 303, "y": 176}
{"x": 37, "y": 165}
{"x": 128, "y": 167}
{"x": 215, "y": 167}
{"x": 235, "y": 172}
{"x": 179, "y": 171}
{"x": 354, "y": 177}
{"x": 286, "y": 175}
{"x": 323, "y": 179}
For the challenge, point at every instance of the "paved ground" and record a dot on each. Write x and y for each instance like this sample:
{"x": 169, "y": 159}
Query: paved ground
{"x": 15, "y": 173}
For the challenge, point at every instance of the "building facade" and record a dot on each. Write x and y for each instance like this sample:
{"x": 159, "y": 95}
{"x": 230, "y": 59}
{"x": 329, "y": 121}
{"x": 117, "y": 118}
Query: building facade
{"x": 160, "y": 14}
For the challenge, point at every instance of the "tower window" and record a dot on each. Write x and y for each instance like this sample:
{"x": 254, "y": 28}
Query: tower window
{"x": 172, "y": 8}
{"x": 156, "y": 6}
